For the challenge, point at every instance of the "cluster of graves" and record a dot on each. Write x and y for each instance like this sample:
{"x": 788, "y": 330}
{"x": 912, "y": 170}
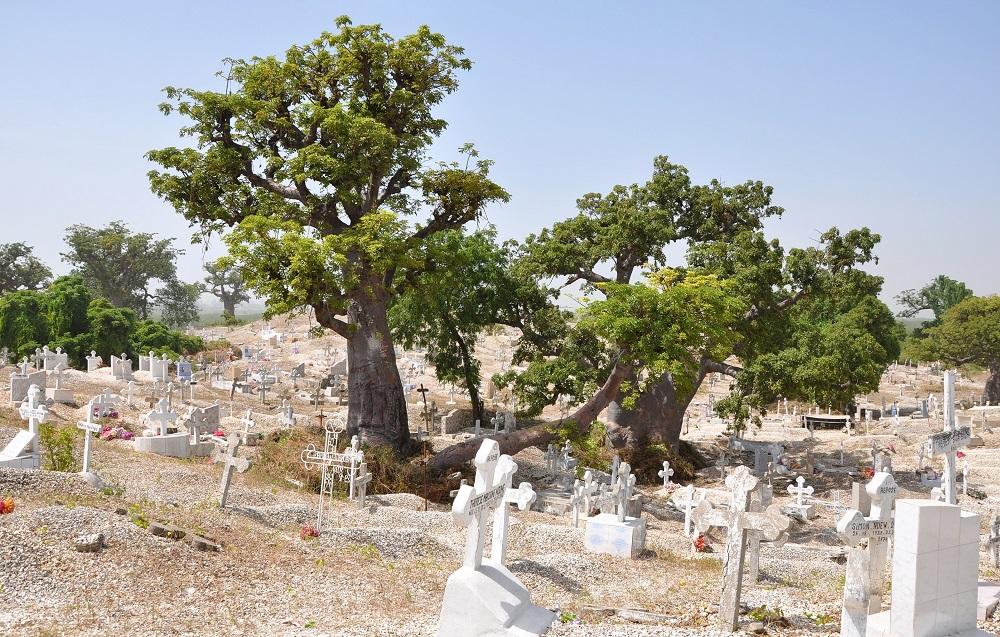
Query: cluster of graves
{"x": 930, "y": 547}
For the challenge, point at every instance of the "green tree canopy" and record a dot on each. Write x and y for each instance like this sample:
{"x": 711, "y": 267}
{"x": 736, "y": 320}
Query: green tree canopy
{"x": 969, "y": 333}
{"x": 20, "y": 269}
{"x": 937, "y": 296}
{"x": 120, "y": 265}
{"x": 178, "y": 303}
{"x": 790, "y": 324}
{"x": 316, "y": 159}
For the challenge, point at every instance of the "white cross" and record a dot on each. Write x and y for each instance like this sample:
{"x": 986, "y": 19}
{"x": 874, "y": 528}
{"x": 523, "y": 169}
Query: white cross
{"x": 687, "y": 499}
{"x": 865, "y": 564}
{"x": 800, "y": 490}
{"x": 24, "y": 366}
{"x": 164, "y": 415}
{"x": 494, "y": 474}
{"x": 949, "y": 441}
{"x": 665, "y": 473}
{"x": 522, "y": 496}
{"x": 248, "y": 422}
{"x": 35, "y": 412}
{"x": 89, "y": 427}
{"x": 231, "y": 462}
{"x": 550, "y": 458}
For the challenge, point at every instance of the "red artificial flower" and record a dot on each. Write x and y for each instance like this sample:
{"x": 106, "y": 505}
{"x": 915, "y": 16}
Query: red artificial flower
{"x": 700, "y": 545}
{"x": 308, "y": 531}
{"x": 960, "y": 454}
{"x": 6, "y": 505}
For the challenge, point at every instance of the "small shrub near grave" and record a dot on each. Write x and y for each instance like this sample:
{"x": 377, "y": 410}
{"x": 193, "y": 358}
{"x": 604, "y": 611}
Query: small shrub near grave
{"x": 137, "y": 516}
{"x": 767, "y": 615}
{"x": 567, "y": 617}
{"x": 820, "y": 619}
{"x": 58, "y": 445}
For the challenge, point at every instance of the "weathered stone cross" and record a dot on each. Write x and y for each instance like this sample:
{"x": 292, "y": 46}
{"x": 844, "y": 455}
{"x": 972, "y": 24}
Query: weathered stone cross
{"x": 361, "y": 483}
{"x": 868, "y": 538}
{"x": 993, "y": 543}
{"x": 89, "y": 427}
{"x": 231, "y": 462}
{"x": 738, "y": 520}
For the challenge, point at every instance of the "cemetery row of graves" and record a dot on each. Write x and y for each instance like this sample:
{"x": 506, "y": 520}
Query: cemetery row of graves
{"x": 878, "y": 522}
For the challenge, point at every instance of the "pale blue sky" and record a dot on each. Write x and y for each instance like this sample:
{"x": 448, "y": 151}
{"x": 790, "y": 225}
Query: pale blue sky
{"x": 858, "y": 113}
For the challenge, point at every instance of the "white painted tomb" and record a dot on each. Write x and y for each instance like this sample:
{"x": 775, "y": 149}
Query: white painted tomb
{"x": 614, "y": 532}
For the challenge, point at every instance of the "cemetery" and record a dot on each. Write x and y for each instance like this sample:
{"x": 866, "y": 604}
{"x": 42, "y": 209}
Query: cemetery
{"x": 662, "y": 413}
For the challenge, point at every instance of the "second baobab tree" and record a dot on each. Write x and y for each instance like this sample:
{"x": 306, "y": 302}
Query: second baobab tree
{"x": 225, "y": 283}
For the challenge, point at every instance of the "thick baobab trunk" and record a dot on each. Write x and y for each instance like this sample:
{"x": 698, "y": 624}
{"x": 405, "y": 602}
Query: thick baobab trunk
{"x": 376, "y": 404}
{"x": 229, "y": 306}
{"x": 992, "y": 390}
{"x": 658, "y": 416}
{"x": 512, "y": 443}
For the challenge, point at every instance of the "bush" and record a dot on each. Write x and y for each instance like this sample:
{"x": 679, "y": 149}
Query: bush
{"x": 58, "y": 447}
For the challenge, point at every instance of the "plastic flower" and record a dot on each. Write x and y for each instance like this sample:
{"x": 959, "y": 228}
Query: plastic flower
{"x": 308, "y": 531}
{"x": 6, "y": 505}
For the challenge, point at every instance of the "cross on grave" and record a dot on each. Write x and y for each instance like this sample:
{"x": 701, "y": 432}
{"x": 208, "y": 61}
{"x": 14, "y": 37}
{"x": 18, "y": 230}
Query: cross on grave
{"x": 248, "y": 422}
{"x": 170, "y": 394}
{"x": 993, "y": 543}
{"x": 868, "y": 538}
{"x": 760, "y": 499}
{"x": 89, "y": 427}
{"x": 231, "y": 462}
{"x": 494, "y": 473}
{"x": 361, "y": 483}
{"x": 665, "y": 473}
{"x": 590, "y": 488}
{"x": 24, "y": 366}
{"x": 131, "y": 387}
{"x": 287, "y": 417}
{"x": 35, "y": 412}
{"x": 550, "y": 458}
{"x": 800, "y": 490}
{"x": 164, "y": 415}
{"x": 721, "y": 464}
{"x": 949, "y": 441}
{"x": 738, "y": 520}
{"x": 687, "y": 500}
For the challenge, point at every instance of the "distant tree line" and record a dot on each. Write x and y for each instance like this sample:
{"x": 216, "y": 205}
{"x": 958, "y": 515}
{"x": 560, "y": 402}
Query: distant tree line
{"x": 120, "y": 281}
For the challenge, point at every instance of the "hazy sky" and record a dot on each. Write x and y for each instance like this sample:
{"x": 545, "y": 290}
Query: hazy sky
{"x": 858, "y": 113}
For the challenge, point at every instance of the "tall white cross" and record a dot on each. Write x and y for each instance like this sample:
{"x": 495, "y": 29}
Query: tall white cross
{"x": 89, "y": 427}
{"x": 800, "y": 490}
{"x": 494, "y": 474}
{"x": 522, "y": 496}
{"x": 163, "y": 414}
{"x": 35, "y": 412}
{"x": 868, "y": 538}
{"x": 949, "y": 441}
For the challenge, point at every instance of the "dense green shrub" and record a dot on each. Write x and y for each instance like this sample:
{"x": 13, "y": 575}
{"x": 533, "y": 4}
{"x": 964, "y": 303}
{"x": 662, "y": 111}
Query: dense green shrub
{"x": 67, "y": 315}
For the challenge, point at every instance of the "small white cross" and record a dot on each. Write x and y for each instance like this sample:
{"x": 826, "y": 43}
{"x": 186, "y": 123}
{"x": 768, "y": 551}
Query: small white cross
{"x": 665, "y": 473}
{"x": 88, "y": 427}
{"x": 800, "y": 490}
